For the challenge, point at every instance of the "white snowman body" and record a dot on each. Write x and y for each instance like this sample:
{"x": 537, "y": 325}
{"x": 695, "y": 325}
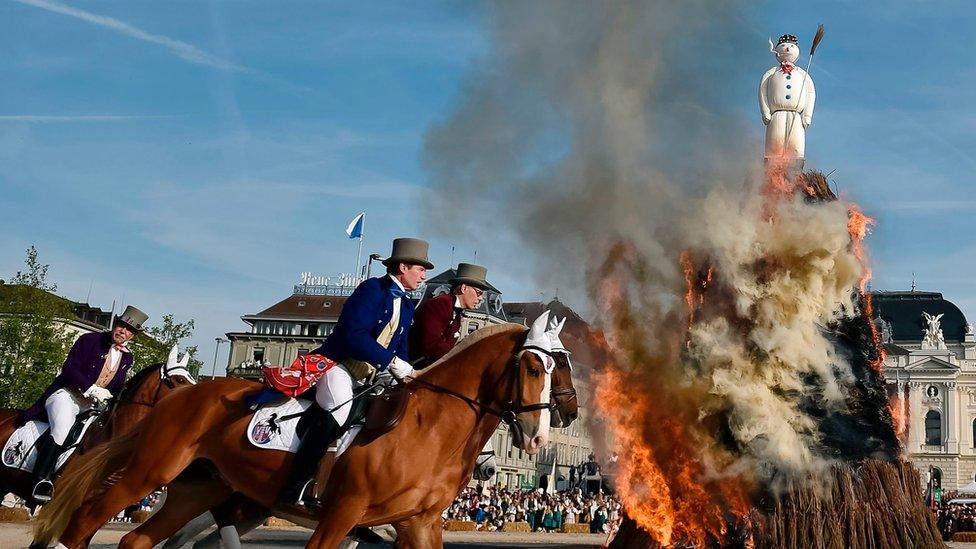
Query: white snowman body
{"x": 786, "y": 100}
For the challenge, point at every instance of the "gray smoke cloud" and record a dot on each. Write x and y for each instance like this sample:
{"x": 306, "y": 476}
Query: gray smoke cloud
{"x": 587, "y": 121}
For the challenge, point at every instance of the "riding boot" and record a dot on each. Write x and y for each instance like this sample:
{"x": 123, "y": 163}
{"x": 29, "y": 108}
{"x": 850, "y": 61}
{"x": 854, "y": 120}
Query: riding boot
{"x": 322, "y": 475}
{"x": 47, "y": 460}
{"x": 322, "y": 430}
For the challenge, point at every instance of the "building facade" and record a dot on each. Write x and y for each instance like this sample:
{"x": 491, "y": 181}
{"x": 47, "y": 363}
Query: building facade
{"x": 930, "y": 368}
{"x": 300, "y": 323}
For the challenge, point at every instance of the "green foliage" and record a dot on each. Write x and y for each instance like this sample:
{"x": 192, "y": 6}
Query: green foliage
{"x": 153, "y": 346}
{"x": 33, "y": 341}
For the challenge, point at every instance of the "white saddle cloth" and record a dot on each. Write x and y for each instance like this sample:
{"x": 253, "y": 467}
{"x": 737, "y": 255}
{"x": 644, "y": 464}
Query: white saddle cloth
{"x": 267, "y": 430}
{"x": 20, "y": 451}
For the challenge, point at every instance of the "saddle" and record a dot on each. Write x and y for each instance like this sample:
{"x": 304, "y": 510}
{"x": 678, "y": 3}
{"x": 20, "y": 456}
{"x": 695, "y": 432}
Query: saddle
{"x": 386, "y": 409}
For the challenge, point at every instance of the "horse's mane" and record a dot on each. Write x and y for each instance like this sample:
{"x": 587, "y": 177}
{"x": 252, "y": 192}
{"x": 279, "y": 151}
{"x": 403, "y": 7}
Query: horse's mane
{"x": 475, "y": 337}
{"x": 135, "y": 381}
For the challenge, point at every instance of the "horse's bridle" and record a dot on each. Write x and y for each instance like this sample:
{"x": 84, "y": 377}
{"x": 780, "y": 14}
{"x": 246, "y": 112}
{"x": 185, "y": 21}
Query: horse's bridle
{"x": 568, "y": 393}
{"x": 510, "y": 412}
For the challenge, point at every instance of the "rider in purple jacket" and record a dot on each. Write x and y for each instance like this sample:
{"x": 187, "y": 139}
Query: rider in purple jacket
{"x": 94, "y": 372}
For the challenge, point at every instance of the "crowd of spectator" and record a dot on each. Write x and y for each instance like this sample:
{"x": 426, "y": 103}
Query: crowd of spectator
{"x": 490, "y": 507}
{"x": 955, "y": 517}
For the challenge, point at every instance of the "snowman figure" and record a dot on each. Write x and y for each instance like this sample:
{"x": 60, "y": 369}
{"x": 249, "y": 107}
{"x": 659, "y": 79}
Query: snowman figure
{"x": 786, "y": 98}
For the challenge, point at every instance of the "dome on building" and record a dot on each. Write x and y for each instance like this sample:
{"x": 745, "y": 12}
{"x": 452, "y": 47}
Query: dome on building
{"x": 902, "y": 311}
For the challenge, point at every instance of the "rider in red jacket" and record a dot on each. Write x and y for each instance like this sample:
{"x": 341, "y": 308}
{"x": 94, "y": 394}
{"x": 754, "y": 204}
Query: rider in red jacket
{"x": 437, "y": 322}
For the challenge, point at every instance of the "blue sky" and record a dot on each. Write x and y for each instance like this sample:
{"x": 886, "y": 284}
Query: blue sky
{"x": 195, "y": 157}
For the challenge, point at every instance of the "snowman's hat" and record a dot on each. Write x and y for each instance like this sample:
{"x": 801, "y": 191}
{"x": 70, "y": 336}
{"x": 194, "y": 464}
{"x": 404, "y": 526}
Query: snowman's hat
{"x": 788, "y": 38}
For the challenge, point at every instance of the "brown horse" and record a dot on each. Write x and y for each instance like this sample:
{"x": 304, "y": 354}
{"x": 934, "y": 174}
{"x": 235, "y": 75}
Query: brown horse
{"x": 138, "y": 396}
{"x": 245, "y": 514}
{"x": 405, "y": 477}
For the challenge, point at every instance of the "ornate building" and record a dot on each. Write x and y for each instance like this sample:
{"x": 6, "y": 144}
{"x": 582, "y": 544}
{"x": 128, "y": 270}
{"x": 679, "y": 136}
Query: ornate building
{"x": 930, "y": 369}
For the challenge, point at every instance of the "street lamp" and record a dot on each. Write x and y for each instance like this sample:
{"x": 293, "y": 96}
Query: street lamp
{"x": 219, "y": 340}
{"x": 369, "y": 264}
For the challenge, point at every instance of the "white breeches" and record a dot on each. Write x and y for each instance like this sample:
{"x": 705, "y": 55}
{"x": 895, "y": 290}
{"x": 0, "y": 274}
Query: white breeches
{"x": 785, "y": 135}
{"x": 333, "y": 389}
{"x": 62, "y": 408}
{"x": 337, "y": 387}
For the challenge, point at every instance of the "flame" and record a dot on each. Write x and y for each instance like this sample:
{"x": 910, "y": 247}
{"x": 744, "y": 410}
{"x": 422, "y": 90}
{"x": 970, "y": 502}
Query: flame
{"x": 899, "y": 415}
{"x": 859, "y": 226}
{"x": 662, "y": 478}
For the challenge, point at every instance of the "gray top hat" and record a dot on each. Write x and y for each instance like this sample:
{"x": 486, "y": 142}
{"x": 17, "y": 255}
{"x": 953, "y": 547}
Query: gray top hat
{"x": 409, "y": 250}
{"x": 472, "y": 275}
{"x": 133, "y": 317}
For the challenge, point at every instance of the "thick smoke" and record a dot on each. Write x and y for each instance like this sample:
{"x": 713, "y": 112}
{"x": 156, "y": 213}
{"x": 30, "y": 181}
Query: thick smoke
{"x": 605, "y": 140}
{"x": 588, "y": 121}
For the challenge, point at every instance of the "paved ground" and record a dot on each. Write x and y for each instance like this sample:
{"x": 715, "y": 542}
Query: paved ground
{"x": 17, "y": 536}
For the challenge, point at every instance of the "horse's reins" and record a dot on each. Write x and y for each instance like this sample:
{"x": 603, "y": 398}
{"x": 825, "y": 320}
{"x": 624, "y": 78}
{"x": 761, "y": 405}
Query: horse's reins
{"x": 509, "y": 414}
{"x": 110, "y": 422}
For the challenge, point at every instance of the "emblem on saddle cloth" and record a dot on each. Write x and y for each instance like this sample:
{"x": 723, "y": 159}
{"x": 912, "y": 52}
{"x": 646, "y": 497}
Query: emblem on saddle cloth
{"x": 14, "y": 454}
{"x": 273, "y": 427}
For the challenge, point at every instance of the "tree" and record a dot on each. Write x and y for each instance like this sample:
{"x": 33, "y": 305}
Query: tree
{"x": 153, "y": 346}
{"x": 33, "y": 337}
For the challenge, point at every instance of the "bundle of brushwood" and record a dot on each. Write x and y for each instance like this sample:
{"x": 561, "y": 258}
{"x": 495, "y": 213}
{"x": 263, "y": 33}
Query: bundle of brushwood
{"x": 877, "y": 505}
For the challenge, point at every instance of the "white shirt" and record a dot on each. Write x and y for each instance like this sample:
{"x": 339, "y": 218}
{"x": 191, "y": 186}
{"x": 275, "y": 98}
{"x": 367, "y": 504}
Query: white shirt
{"x": 116, "y": 356}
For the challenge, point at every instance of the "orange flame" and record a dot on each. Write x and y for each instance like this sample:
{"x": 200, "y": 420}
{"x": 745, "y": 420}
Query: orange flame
{"x": 858, "y": 226}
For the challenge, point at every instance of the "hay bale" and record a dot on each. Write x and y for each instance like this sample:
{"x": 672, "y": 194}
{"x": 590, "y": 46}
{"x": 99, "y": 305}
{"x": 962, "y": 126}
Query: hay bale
{"x": 516, "y": 527}
{"x": 275, "y": 522}
{"x": 964, "y": 537}
{"x": 138, "y": 517}
{"x": 460, "y": 526}
{"x": 14, "y": 514}
{"x": 575, "y": 528}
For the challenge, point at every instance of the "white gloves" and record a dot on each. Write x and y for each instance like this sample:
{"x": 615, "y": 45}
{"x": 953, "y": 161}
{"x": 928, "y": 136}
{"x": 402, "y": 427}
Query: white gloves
{"x": 97, "y": 393}
{"x": 400, "y": 368}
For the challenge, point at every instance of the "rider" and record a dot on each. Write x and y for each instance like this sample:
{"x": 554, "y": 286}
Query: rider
{"x": 437, "y": 324}
{"x": 370, "y": 336}
{"x": 93, "y": 372}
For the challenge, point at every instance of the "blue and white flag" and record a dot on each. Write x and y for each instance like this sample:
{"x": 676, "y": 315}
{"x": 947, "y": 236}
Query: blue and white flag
{"x": 355, "y": 228}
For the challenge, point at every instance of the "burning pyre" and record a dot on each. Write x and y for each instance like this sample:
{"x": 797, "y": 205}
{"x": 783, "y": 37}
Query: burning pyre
{"x": 743, "y": 383}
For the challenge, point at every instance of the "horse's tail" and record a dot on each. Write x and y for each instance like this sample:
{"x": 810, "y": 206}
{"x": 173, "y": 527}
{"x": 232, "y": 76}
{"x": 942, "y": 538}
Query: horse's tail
{"x": 86, "y": 476}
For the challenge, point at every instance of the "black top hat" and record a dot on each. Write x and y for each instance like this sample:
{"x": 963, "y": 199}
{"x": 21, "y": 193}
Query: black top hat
{"x": 412, "y": 251}
{"x": 787, "y": 38}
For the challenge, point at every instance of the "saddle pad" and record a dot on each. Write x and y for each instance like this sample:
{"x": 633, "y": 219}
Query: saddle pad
{"x": 20, "y": 452}
{"x": 266, "y": 431}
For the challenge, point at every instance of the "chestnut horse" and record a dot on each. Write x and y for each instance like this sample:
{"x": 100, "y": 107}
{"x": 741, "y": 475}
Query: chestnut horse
{"x": 138, "y": 396}
{"x": 245, "y": 514}
{"x": 405, "y": 477}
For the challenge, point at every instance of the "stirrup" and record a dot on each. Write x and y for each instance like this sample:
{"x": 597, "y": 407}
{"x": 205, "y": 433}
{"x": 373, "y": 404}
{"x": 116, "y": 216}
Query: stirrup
{"x": 43, "y": 491}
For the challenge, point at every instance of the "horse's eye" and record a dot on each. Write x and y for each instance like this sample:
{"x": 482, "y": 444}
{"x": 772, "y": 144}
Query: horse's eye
{"x": 534, "y": 372}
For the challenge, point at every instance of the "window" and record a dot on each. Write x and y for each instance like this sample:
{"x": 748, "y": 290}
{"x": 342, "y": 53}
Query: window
{"x": 302, "y": 352}
{"x": 933, "y": 428}
{"x": 313, "y": 330}
{"x": 257, "y": 355}
{"x": 974, "y": 432}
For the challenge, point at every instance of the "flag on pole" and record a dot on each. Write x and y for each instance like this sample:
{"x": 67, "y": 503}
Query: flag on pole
{"x": 355, "y": 228}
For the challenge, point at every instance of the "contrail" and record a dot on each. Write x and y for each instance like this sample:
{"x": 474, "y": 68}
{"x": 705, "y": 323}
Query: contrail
{"x": 46, "y": 118}
{"x": 186, "y": 51}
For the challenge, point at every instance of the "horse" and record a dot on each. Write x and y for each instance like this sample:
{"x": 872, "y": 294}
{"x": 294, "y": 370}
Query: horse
{"x": 244, "y": 515}
{"x": 139, "y": 394}
{"x": 405, "y": 477}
